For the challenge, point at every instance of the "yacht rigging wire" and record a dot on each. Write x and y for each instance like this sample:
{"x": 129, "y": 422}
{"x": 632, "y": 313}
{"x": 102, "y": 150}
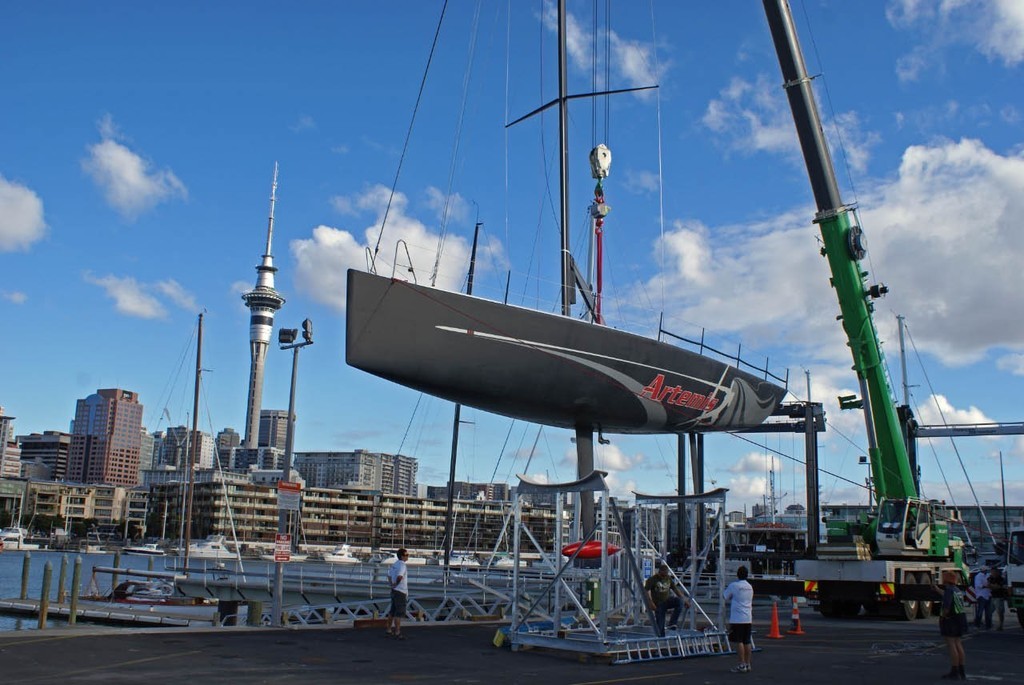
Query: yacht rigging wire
{"x": 952, "y": 442}
{"x": 408, "y": 136}
{"x": 446, "y": 212}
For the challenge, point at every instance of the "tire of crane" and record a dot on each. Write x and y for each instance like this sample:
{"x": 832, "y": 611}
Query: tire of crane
{"x": 911, "y": 608}
{"x": 849, "y": 609}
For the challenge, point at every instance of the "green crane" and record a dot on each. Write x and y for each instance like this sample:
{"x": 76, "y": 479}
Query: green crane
{"x": 905, "y": 524}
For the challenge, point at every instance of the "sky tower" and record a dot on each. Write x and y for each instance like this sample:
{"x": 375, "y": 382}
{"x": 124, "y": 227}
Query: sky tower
{"x": 263, "y": 301}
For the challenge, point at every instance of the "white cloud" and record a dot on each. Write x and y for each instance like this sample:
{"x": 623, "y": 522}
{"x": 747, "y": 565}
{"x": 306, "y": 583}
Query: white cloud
{"x": 447, "y": 208}
{"x": 952, "y": 207}
{"x": 752, "y": 462}
{"x": 304, "y": 123}
{"x": 1014, "y": 363}
{"x": 744, "y": 487}
{"x": 240, "y": 288}
{"x": 995, "y": 28}
{"x": 323, "y": 259}
{"x": 631, "y": 61}
{"x": 611, "y": 458}
{"x": 752, "y": 119}
{"x": 942, "y": 235}
{"x": 937, "y": 410}
{"x": 141, "y": 300}
{"x": 21, "y": 216}
{"x": 755, "y": 117}
{"x": 14, "y": 296}
{"x": 129, "y": 296}
{"x": 177, "y": 294}
{"x": 641, "y": 181}
{"x": 129, "y": 183}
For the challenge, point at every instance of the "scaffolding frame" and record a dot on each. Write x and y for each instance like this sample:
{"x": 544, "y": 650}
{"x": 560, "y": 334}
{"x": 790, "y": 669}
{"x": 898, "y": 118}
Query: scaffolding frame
{"x": 695, "y": 506}
{"x": 597, "y": 610}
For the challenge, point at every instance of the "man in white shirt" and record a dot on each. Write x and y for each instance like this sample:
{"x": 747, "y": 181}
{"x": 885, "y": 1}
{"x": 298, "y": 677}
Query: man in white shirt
{"x": 741, "y": 595}
{"x": 983, "y": 596}
{"x": 398, "y": 577}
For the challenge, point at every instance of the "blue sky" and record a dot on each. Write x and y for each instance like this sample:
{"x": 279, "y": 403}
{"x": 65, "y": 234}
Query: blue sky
{"x": 137, "y": 145}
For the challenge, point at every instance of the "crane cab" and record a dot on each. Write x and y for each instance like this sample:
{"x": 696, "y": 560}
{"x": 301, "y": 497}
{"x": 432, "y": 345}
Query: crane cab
{"x": 911, "y": 527}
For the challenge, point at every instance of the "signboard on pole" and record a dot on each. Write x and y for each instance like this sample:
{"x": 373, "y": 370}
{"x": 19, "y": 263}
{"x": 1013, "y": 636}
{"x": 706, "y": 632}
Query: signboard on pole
{"x": 283, "y": 547}
{"x": 288, "y": 495}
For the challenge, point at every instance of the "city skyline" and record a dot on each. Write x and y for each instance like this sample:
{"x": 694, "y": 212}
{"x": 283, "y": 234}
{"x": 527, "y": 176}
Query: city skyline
{"x": 133, "y": 188}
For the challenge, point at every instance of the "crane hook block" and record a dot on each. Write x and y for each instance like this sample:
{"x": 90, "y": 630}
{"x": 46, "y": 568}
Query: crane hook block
{"x": 600, "y": 161}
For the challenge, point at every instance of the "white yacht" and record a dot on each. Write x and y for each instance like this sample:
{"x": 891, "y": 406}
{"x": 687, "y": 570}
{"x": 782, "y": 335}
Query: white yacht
{"x": 213, "y": 547}
{"x": 14, "y": 539}
{"x": 148, "y": 549}
{"x": 341, "y": 555}
{"x": 461, "y": 560}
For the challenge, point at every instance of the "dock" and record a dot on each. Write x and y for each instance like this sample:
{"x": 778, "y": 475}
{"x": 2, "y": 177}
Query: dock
{"x": 116, "y": 614}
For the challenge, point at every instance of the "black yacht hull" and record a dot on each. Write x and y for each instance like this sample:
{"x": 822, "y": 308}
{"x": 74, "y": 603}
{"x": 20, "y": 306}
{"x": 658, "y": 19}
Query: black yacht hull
{"x": 543, "y": 368}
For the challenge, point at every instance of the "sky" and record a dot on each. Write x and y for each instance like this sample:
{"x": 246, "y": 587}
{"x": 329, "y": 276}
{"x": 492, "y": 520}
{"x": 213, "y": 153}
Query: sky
{"x": 137, "y": 148}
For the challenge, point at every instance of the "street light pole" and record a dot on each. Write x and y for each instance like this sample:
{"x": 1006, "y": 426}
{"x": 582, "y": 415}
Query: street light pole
{"x": 287, "y": 341}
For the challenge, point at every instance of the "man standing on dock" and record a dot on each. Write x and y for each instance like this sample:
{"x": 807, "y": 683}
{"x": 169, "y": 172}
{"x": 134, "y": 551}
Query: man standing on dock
{"x": 741, "y": 618}
{"x": 398, "y": 577}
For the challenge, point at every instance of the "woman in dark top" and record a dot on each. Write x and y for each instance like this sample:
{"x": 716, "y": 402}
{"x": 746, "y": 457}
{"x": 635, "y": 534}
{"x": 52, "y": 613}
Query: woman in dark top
{"x": 953, "y": 624}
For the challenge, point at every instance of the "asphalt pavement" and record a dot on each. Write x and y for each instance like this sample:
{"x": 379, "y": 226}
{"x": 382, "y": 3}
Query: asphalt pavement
{"x": 834, "y": 651}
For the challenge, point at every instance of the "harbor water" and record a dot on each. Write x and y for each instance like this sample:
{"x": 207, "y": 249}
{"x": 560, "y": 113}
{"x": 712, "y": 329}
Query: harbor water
{"x": 12, "y": 561}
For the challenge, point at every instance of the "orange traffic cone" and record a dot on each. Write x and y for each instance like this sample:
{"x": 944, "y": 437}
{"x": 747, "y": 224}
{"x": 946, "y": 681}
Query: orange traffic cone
{"x": 795, "y": 628}
{"x": 774, "y": 633}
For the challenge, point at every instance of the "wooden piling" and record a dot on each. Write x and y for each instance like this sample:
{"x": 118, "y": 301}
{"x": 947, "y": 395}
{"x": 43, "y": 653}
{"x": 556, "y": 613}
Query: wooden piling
{"x": 62, "y": 579}
{"x": 44, "y": 595}
{"x": 26, "y": 565}
{"x": 76, "y": 588}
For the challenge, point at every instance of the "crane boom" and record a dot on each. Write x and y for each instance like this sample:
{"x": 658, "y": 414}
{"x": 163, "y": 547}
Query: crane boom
{"x": 844, "y": 247}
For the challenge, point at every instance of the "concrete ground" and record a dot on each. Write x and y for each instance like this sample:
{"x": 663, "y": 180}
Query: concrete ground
{"x": 833, "y": 651}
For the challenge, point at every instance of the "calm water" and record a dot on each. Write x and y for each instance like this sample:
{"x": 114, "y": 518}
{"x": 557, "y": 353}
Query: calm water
{"x": 11, "y": 563}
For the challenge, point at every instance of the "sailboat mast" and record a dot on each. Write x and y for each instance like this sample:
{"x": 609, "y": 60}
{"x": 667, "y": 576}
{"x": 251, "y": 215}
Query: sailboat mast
{"x": 195, "y": 442}
{"x": 568, "y": 287}
{"x": 449, "y": 516}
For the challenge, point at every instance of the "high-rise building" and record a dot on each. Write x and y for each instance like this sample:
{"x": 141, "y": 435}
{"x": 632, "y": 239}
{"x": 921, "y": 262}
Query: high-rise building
{"x": 147, "y": 450}
{"x": 263, "y": 458}
{"x": 106, "y": 438}
{"x": 10, "y": 454}
{"x": 178, "y": 444}
{"x": 398, "y": 474}
{"x": 263, "y": 302}
{"x": 273, "y": 428}
{"x": 48, "y": 450}
{"x": 227, "y": 440}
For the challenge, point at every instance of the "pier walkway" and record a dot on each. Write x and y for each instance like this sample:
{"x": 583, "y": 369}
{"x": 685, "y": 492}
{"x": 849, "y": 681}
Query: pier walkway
{"x": 834, "y": 651}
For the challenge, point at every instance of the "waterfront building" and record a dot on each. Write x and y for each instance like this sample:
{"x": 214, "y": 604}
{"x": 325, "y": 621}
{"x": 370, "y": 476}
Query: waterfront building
{"x": 46, "y": 454}
{"x": 263, "y": 302}
{"x": 495, "y": 492}
{"x": 273, "y": 428}
{"x": 10, "y": 453}
{"x": 360, "y": 469}
{"x": 77, "y": 501}
{"x": 363, "y": 519}
{"x": 105, "y": 439}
